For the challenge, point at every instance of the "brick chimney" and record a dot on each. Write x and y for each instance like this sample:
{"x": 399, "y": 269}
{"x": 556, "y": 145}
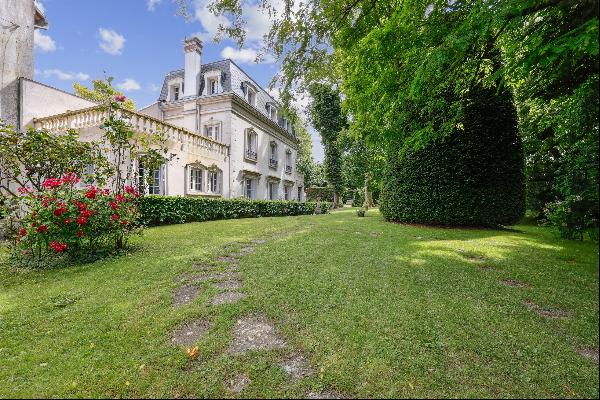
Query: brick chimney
{"x": 192, "y": 48}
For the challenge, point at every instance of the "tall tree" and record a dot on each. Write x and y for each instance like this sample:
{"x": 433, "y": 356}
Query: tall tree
{"x": 102, "y": 92}
{"x": 329, "y": 120}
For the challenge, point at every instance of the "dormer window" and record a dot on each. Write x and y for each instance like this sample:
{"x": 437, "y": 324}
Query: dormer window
{"x": 249, "y": 93}
{"x": 175, "y": 92}
{"x": 272, "y": 112}
{"x": 213, "y": 85}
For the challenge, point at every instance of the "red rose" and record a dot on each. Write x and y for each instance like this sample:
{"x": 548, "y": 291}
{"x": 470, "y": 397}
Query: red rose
{"x": 58, "y": 247}
{"x": 120, "y": 198}
{"x": 123, "y": 222}
{"x": 23, "y": 232}
{"x": 91, "y": 193}
{"x": 81, "y": 220}
{"x": 51, "y": 183}
{"x": 42, "y": 228}
{"x": 79, "y": 233}
{"x": 113, "y": 205}
{"x": 115, "y": 217}
{"x": 60, "y": 211}
{"x": 69, "y": 178}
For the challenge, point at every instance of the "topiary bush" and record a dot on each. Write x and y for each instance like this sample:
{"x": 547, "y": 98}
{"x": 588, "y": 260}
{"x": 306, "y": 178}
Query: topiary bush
{"x": 316, "y": 193}
{"x": 473, "y": 177}
{"x": 164, "y": 210}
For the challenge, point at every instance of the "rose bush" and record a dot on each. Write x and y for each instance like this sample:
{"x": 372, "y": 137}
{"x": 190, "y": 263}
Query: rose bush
{"x": 67, "y": 218}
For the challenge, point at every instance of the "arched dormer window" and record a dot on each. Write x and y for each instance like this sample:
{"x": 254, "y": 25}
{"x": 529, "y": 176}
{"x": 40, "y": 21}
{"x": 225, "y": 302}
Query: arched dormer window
{"x": 272, "y": 111}
{"x": 212, "y": 82}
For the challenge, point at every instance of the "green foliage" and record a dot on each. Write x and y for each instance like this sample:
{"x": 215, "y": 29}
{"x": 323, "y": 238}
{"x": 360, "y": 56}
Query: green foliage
{"x": 304, "y": 160}
{"x": 474, "y": 177}
{"x": 329, "y": 120}
{"x": 27, "y": 158}
{"x": 102, "y": 92}
{"x": 164, "y": 210}
{"x": 574, "y": 217}
{"x": 319, "y": 193}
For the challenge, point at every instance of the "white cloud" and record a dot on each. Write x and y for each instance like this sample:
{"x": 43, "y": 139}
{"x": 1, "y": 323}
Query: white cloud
{"x": 151, "y": 4}
{"x": 111, "y": 42}
{"x": 153, "y": 88}
{"x": 43, "y": 43}
{"x": 65, "y": 76}
{"x": 129, "y": 85}
{"x": 246, "y": 56}
{"x": 209, "y": 21}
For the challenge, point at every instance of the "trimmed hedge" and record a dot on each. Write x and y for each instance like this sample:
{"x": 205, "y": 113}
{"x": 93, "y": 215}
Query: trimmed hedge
{"x": 474, "y": 177}
{"x": 165, "y": 210}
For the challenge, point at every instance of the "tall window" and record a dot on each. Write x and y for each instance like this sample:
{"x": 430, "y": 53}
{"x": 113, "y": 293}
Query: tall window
{"x": 273, "y": 155}
{"x": 213, "y": 181}
{"x": 175, "y": 92}
{"x": 299, "y": 193}
{"x": 196, "y": 179}
{"x": 213, "y": 85}
{"x": 288, "y": 161}
{"x": 251, "y": 144}
{"x": 287, "y": 192}
{"x": 251, "y": 95}
{"x": 249, "y": 188}
{"x": 213, "y": 131}
{"x": 149, "y": 180}
{"x": 272, "y": 190}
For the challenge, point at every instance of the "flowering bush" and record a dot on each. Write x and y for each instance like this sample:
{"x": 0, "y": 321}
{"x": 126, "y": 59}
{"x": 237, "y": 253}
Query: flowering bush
{"x": 65, "y": 218}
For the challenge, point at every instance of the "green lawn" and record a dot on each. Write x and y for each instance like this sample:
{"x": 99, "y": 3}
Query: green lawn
{"x": 380, "y": 310}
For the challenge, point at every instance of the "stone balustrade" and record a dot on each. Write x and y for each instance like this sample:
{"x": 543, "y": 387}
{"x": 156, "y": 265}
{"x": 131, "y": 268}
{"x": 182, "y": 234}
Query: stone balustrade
{"x": 94, "y": 116}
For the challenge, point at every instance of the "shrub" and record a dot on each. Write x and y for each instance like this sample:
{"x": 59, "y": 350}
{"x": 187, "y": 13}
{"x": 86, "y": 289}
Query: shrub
{"x": 573, "y": 217}
{"x": 360, "y": 212}
{"x": 474, "y": 177}
{"x": 164, "y": 210}
{"x": 62, "y": 219}
{"x": 316, "y": 193}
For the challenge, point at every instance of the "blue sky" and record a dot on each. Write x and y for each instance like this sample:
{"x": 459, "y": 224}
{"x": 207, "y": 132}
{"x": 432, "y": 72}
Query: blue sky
{"x": 137, "y": 42}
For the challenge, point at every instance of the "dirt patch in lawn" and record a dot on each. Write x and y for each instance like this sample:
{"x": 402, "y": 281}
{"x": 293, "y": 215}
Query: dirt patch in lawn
{"x": 228, "y": 259}
{"x": 470, "y": 255}
{"x": 255, "y": 333}
{"x": 486, "y": 268}
{"x": 548, "y": 312}
{"x": 259, "y": 241}
{"x": 232, "y": 284}
{"x": 514, "y": 283}
{"x": 195, "y": 278}
{"x": 189, "y": 332}
{"x": 204, "y": 266}
{"x": 588, "y": 352}
{"x": 297, "y": 367}
{"x": 227, "y": 298}
{"x": 325, "y": 394}
{"x": 237, "y": 384}
{"x": 185, "y": 295}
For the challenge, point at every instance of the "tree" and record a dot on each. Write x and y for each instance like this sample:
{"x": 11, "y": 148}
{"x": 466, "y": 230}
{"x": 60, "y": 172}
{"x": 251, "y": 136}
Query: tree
{"x": 304, "y": 161}
{"x": 329, "y": 120}
{"x": 101, "y": 92}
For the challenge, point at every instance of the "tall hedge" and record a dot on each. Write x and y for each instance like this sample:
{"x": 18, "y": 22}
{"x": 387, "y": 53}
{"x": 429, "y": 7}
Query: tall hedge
{"x": 164, "y": 210}
{"x": 473, "y": 177}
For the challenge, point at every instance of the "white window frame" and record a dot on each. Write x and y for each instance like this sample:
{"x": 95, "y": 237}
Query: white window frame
{"x": 213, "y": 81}
{"x": 272, "y": 190}
{"x": 287, "y": 192}
{"x": 249, "y": 188}
{"x": 195, "y": 179}
{"x": 215, "y": 131}
{"x": 251, "y": 145}
{"x": 157, "y": 187}
{"x": 251, "y": 95}
{"x": 289, "y": 161}
{"x": 213, "y": 181}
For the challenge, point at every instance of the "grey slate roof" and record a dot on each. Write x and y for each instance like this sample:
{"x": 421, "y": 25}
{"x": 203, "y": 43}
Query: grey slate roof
{"x": 232, "y": 81}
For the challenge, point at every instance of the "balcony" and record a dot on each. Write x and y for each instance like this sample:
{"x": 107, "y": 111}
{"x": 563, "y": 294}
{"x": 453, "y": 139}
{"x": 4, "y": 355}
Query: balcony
{"x": 273, "y": 163}
{"x": 288, "y": 169}
{"x": 250, "y": 155}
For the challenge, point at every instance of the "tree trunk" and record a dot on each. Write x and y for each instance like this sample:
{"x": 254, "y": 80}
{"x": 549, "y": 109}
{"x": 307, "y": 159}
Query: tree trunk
{"x": 366, "y": 203}
{"x": 336, "y": 199}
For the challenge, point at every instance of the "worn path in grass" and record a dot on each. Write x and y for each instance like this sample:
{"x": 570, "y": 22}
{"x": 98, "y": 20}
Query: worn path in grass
{"x": 356, "y": 307}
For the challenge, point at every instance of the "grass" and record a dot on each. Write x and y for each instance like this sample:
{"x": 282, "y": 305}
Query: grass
{"x": 380, "y": 309}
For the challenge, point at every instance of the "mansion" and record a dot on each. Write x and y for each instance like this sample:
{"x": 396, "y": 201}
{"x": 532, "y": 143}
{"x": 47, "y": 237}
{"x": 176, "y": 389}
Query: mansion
{"x": 226, "y": 136}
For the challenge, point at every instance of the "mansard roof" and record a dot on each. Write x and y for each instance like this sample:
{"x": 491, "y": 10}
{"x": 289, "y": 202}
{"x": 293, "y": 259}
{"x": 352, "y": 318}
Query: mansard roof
{"x": 233, "y": 79}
